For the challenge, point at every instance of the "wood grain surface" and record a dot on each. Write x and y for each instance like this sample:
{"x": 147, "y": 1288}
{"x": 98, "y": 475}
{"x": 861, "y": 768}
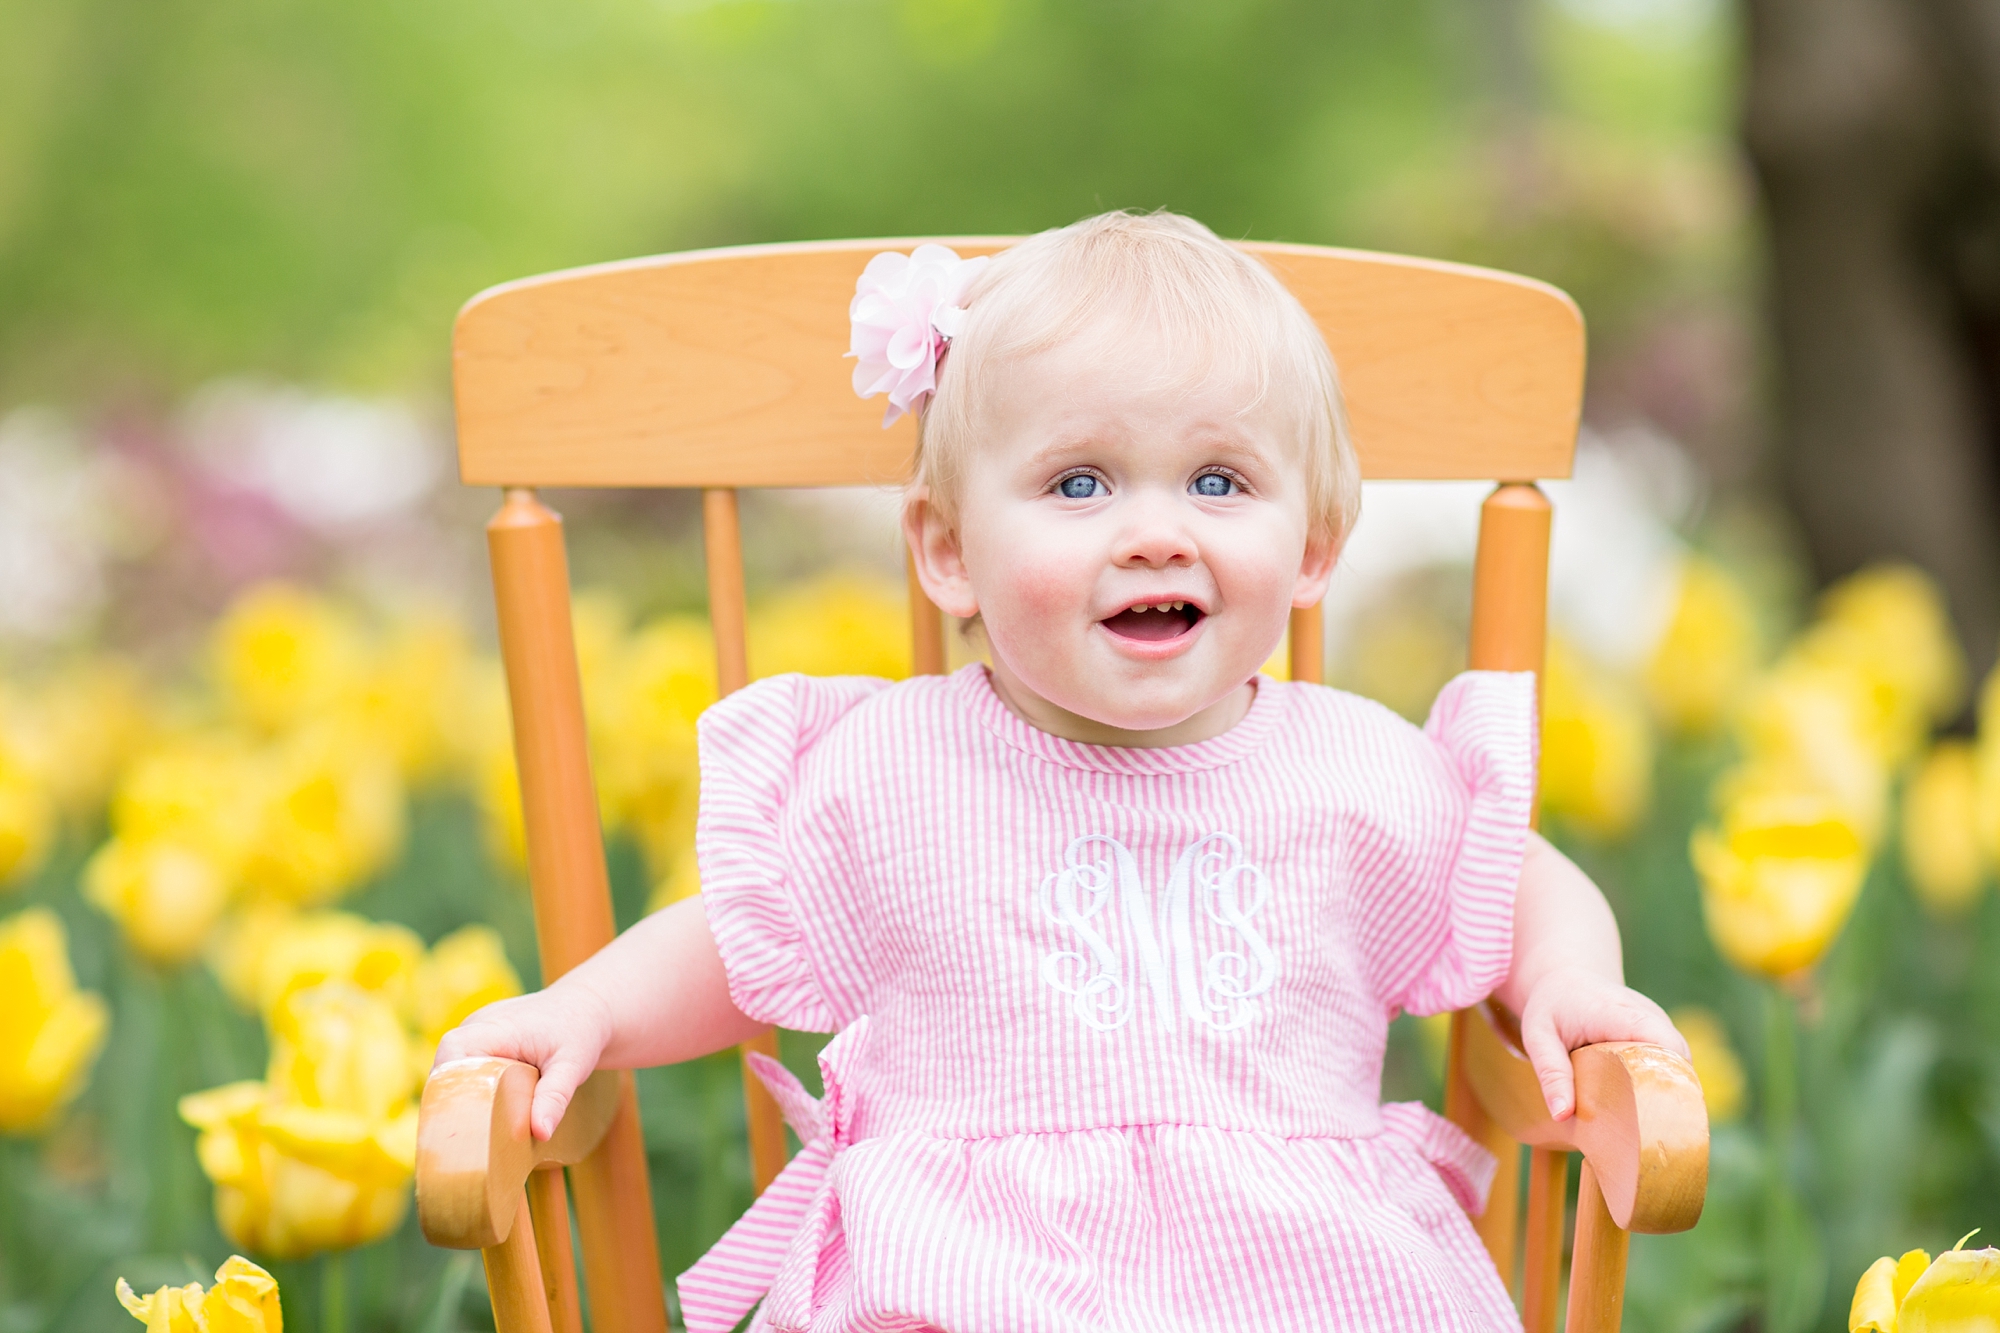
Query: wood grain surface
{"x": 1640, "y": 1121}
{"x": 474, "y": 1151}
{"x": 725, "y": 368}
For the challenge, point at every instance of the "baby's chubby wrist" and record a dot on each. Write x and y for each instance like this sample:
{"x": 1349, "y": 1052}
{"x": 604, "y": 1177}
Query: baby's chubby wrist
{"x": 1574, "y": 1006}
{"x": 593, "y": 1018}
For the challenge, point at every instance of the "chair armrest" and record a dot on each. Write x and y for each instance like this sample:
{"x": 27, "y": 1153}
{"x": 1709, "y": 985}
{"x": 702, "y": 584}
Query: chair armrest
{"x": 1640, "y": 1120}
{"x": 474, "y": 1151}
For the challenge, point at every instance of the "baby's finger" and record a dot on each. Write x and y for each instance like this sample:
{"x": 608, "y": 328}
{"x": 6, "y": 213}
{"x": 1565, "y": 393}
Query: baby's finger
{"x": 561, "y": 1077}
{"x": 1550, "y": 1057}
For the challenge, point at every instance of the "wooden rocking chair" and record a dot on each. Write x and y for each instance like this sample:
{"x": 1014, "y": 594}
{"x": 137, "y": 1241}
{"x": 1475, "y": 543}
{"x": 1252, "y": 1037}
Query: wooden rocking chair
{"x": 723, "y": 369}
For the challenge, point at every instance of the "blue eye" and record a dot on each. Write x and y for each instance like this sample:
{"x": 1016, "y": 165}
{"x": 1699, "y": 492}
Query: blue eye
{"x": 1082, "y": 486}
{"x": 1213, "y": 485}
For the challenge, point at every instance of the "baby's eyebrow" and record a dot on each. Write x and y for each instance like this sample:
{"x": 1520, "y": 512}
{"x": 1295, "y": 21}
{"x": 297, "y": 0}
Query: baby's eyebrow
{"x": 1220, "y": 446}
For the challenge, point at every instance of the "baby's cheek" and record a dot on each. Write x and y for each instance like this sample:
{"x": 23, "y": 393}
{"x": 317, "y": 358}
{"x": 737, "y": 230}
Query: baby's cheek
{"x": 1033, "y": 584}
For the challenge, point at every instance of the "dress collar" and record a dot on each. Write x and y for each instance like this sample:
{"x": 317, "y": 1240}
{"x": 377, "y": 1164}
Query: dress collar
{"x": 974, "y": 686}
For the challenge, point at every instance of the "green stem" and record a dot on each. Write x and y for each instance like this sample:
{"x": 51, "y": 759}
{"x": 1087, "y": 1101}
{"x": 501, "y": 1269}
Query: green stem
{"x": 1781, "y": 1110}
{"x": 1781, "y": 1076}
{"x": 10, "y": 1209}
{"x": 333, "y": 1292}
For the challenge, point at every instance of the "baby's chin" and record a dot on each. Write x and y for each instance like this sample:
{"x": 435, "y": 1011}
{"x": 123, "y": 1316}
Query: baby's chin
{"x": 1139, "y": 711}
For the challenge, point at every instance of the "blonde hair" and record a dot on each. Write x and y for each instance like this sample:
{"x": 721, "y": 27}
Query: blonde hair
{"x": 1170, "y": 273}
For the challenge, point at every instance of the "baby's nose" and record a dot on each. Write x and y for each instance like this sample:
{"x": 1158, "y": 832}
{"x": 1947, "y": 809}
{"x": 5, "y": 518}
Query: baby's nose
{"x": 1154, "y": 540}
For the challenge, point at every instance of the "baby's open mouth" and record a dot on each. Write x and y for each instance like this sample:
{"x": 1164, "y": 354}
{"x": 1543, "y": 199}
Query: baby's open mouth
{"x": 1154, "y": 623}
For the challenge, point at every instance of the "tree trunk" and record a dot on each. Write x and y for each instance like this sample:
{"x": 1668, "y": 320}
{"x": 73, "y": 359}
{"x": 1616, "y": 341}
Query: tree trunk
{"x": 1874, "y": 130}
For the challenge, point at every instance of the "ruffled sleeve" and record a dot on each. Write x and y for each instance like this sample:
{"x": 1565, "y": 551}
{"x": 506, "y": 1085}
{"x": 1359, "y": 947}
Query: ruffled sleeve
{"x": 775, "y": 857}
{"x": 1440, "y": 913}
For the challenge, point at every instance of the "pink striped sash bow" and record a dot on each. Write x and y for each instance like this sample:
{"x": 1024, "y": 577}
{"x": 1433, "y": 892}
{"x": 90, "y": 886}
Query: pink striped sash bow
{"x": 738, "y": 1270}
{"x": 1463, "y": 1163}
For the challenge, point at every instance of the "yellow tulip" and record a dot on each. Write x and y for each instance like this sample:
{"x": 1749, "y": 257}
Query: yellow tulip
{"x": 1706, "y": 657}
{"x": 335, "y": 817}
{"x": 50, "y": 1032}
{"x": 80, "y": 727}
{"x": 183, "y": 819}
{"x": 206, "y": 792}
{"x": 1597, "y": 748}
{"x": 165, "y": 897}
{"x": 1778, "y": 878}
{"x": 406, "y": 695}
{"x": 1882, "y": 1289}
{"x": 1958, "y": 1292}
{"x": 269, "y": 952}
{"x": 244, "y": 1299}
{"x": 1892, "y": 621}
{"x": 1941, "y": 841}
{"x": 27, "y": 818}
{"x": 642, "y": 721}
{"x": 836, "y": 625}
{"x": 283, "y": 656}
{"x": 1815, "y": 724}
{"x": 319, "y": 1155}
{"x": 1715, "y": 1062}
{"x": 464, "y": 971}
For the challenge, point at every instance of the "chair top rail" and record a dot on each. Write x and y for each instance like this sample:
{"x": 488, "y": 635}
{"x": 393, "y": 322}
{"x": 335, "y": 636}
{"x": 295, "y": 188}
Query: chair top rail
{"x": 1640, "y": 1119}
{"x": 727, "y": 368}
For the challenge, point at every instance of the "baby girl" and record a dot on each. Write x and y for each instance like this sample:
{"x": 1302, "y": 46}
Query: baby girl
{"x": 1112, "y": 928}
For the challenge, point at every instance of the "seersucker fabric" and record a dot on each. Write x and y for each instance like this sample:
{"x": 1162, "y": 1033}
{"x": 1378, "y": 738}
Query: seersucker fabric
{"x": 1111, "y": 1020}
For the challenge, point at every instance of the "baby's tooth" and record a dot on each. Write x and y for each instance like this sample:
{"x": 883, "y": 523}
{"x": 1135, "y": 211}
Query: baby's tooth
{"x": 1179, "y": 605}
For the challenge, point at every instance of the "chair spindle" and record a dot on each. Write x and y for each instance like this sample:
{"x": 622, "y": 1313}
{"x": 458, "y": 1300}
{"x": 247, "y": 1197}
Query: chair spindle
{"x": 514, "y": 1279}
{"x": 548, "y": 1207}
{"x": 1541, "y": 1277}
{"x": 927, "y": 655}
{"x": 1510, "y": 584}
{"x": 1597, "y": 1263}
{"x": 1308, "y": 645}
{"x": 728, "y": 616}
{"x": 570, "y": 888}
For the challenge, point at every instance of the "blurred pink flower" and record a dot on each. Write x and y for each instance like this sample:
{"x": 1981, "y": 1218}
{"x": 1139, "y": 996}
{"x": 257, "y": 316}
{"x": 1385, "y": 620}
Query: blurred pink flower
{"x": 905, "y": 311}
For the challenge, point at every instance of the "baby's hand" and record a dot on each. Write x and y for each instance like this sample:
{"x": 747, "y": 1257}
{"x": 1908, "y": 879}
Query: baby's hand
{"x": 1573, "y": 1007}
{"x": 561, "y": 1031}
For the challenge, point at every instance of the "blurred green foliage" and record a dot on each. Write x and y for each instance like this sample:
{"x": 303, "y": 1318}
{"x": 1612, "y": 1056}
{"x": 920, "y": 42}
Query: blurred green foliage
{"x": 309, "y": 189}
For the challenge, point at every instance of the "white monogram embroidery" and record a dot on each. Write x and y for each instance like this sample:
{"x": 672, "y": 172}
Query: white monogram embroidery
{"x": 1212, "y": 874}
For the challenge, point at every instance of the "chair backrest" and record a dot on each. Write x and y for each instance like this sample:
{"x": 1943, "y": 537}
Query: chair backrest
{"x": 724, "y": 369}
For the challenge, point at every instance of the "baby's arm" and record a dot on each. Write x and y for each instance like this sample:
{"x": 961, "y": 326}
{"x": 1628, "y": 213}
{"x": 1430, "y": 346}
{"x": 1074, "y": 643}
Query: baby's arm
{"x": 653, "y": 996}
{"x": 1568, "y": 977}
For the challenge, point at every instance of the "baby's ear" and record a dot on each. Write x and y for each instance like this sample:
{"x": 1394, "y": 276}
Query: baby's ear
{"x": 936, "y": 557}
{"x": 1315, "y": 571}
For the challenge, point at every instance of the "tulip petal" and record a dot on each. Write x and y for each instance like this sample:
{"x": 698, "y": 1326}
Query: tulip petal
{"x": 225, "y": 1105}
{"x": 1958, "y": 1293}
{"x": 1908, "y": 1269}
{"x": 1874, "y": 1308}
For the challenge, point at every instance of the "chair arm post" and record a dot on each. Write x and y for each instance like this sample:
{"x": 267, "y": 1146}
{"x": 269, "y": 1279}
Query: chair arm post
{"x": 1499, "y": 1225}
{"x": 514, "y": 1278}
{"x": 572, "y": 894}
{"x": 1541, "y": 1274}
{"x": 548, "y": 1208}
{"x": 1510, "y": 587}
{"x": 1597, "y": 1269}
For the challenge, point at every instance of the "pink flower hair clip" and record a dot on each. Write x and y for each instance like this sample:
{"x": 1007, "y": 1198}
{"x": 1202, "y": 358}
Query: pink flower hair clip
{"x": 905, "y": 312}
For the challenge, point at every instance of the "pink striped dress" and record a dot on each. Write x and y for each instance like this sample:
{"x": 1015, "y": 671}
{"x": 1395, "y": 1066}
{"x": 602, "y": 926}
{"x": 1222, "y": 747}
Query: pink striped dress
{"x": 1112, "y": 1020}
